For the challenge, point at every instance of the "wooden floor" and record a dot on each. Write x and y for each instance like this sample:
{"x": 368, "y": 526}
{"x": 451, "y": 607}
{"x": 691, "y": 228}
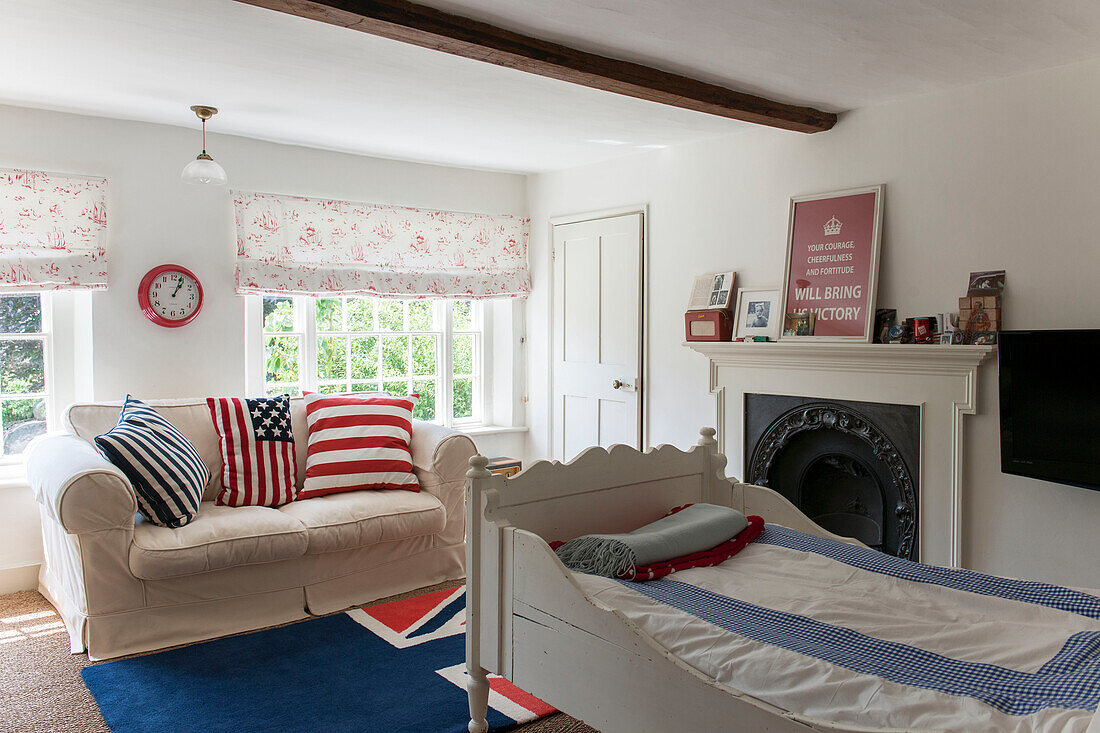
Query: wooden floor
{"x": 41, "y": 688}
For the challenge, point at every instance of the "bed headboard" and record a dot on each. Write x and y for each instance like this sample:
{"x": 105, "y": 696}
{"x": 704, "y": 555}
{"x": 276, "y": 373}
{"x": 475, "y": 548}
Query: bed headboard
{"x": 601, "y": 490}
{"x": 608, "y": 490}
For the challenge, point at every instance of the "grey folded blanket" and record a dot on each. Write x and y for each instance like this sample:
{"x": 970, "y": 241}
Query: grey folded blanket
{"x": 694, "y": 529}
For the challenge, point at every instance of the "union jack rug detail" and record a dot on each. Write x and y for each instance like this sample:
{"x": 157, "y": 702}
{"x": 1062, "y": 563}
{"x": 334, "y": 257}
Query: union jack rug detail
{"x": 426, "y": 618}
{"x": 397, "y": 667}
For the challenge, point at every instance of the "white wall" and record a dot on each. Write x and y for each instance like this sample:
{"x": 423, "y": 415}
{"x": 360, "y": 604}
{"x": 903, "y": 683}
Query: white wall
{"x": 154, "y": 218}
{"x": 1002, "y": 175}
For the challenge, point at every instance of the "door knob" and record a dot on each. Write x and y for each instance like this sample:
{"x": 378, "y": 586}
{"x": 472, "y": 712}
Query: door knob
{"x": 617, "y": 384}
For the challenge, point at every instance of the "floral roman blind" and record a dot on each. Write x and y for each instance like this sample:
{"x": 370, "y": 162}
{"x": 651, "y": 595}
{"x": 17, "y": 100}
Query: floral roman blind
{"x": 288, "y": 244}
{"x": 53, "y": 231}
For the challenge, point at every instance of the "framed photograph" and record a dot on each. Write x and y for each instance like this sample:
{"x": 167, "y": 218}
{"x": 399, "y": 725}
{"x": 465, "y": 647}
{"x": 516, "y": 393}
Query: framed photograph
{"x": 758, "y": 313}
{"x": 798, "y": 324}
{"x": 990, "y": 282}
{"x": 831, "y": 271}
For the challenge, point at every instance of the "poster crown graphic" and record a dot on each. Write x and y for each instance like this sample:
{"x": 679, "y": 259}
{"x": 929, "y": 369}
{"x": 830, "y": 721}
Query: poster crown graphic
{"x": 833, "y": 226}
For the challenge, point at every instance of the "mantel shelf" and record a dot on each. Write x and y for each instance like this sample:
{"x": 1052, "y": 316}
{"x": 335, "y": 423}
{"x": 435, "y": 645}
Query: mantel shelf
{"x": 846, "y": 356}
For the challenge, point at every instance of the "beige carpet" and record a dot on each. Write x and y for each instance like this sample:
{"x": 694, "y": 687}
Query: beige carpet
{"x": 40, "y": 685}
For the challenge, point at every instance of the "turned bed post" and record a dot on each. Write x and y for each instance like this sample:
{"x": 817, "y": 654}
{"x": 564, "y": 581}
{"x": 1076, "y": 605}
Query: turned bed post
{"x": 706, "y": 439}
{"x": 477, "y": 687}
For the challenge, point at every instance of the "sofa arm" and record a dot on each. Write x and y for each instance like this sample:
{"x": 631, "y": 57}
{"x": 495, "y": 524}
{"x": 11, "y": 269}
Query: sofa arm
{"x": 439, "y": 455}
{"x": 77, "y": 487}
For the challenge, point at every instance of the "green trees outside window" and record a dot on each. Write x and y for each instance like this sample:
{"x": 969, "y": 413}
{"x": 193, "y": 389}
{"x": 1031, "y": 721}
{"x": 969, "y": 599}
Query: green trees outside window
{"x": 23, "y": 354}
{"x": 354, "y": 344}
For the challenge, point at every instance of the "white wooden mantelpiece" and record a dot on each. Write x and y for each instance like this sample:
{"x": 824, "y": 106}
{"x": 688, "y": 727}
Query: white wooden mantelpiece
{"x": 941, "y": 380}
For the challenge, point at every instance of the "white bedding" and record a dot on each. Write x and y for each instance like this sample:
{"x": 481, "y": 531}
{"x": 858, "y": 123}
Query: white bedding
{"x": 832, "y": 633}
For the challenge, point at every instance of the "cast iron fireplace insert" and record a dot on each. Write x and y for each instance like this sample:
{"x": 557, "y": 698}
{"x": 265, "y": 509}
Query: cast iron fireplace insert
{"x": 852, "y": 467}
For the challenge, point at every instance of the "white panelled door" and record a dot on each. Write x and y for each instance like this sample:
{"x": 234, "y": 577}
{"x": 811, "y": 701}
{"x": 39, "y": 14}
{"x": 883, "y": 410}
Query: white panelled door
{"x": 597, "y": 334}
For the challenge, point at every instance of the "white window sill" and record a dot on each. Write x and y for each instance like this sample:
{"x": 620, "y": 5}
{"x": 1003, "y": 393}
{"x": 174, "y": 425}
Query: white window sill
{"x": 13, "y": 475}
{"x": 489, "y": 429}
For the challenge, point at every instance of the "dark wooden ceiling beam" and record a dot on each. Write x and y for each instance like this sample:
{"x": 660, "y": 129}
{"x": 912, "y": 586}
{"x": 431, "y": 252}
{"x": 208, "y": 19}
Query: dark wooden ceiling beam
{"x": 420, "y": 25}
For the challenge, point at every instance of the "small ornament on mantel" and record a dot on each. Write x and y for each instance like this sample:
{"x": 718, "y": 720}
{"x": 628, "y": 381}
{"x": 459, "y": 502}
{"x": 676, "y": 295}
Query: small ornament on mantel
{"x": 980, "y": 310}
{"x": 885, "y": 318}
{"x": 708, "y": 316}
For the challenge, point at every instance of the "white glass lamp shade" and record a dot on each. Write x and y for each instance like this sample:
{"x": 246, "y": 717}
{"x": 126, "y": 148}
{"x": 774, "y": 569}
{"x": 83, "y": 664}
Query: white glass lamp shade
{"x": 204, "y": 171}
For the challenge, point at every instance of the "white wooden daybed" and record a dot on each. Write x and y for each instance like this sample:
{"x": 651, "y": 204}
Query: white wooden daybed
{"x": 530, "y": 619}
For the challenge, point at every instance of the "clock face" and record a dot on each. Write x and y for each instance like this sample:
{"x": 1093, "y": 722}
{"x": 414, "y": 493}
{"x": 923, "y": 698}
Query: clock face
{"x": 170, "y": 295}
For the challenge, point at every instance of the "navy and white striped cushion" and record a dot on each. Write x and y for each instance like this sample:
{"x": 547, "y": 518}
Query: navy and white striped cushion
{"x": 164, "y": 468}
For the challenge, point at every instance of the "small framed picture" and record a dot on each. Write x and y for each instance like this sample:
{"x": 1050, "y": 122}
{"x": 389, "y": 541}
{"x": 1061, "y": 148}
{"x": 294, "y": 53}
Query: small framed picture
{"x": 799, "y": 324}
{"x": 758, "y": 313}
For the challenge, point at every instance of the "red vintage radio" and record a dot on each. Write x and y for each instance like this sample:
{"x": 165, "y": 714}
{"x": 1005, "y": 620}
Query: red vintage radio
{"x": 708, "y": 325}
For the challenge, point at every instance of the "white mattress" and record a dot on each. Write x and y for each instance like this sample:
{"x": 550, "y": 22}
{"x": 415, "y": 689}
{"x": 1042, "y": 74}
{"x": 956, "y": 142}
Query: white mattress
{"x": 835, "y": 633}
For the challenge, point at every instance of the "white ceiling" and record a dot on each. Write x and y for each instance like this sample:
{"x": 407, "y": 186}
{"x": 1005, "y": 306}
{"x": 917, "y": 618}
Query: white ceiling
{"x": 286, "y": 79}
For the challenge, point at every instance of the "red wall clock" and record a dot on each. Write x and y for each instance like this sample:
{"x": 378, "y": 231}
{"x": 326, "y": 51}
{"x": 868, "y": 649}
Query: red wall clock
{"x": 170, "y": 296}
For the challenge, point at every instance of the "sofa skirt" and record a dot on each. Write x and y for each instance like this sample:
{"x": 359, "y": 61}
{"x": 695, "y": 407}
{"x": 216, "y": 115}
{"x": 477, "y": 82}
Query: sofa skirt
{"x": 344, "y": 579}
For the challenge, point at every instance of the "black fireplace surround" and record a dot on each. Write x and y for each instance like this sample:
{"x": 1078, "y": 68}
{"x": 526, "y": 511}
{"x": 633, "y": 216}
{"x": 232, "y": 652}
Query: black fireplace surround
{"x": 852, "y": 467}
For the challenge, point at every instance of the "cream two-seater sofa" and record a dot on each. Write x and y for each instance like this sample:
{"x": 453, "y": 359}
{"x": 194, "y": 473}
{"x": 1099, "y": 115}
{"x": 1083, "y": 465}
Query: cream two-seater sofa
{"x": 123, "y": 585}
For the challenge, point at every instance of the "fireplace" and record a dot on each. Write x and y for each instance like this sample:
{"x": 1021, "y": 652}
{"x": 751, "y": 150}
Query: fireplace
{"x": 942, "y": 379}
{"x": 852, "y": 467}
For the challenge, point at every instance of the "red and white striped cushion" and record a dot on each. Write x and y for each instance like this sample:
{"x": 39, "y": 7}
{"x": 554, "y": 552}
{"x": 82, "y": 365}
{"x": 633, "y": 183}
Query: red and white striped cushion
{"x": 358, "y": 443}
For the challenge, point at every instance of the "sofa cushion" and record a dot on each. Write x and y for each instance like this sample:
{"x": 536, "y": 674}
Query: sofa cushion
{"x": 257, "y": 444}
{"x": 357, "y": 518}
{"x": 358, "y": 443}
{"x": 166, "y": 471}
{"x": 219, "y": 537}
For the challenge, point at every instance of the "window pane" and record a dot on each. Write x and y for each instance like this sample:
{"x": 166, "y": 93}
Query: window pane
{"x": 360, "y": 314}
{"x": 423, "y": 353}
{"x": 425, "y": 409}
{"x": 463, "y": 398}
{"x": 463, "y": 316}
{"x": 462, "y": 357}
{"x": 20, "y": 314}
{"x": 332, "y": 357}
{"x": 366, "y": 387}
{"x": 278, "y": 314}
{"x": 391, "y": 315}
{"x": 23, "y": 421}
{"x": 275, "y": 390}
{"x": 281, "y": 359}
{"x": 397, "y": 389}
{"x": 395, "y": 359}
{"x": 330, "y": 388}
{"x": 330, "y": 315}
{"x": 22, "y": 368}
{"x": 421, "y": 315}
{"x": 364, "y": 357}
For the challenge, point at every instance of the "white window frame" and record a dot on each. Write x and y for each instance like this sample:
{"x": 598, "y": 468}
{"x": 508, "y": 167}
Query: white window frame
{"x": 48, "y": 358}
{"x": 305, "y": 328}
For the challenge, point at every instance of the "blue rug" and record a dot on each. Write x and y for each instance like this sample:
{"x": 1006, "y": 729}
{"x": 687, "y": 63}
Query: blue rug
{"x": 394, "y": 667}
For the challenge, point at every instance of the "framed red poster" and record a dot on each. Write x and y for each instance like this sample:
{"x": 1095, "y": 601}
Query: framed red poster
{"x": 832, "y": 263}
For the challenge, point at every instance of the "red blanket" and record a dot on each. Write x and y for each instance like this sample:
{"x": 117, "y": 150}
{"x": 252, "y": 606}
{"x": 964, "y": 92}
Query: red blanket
{"x": 713, "y": 556}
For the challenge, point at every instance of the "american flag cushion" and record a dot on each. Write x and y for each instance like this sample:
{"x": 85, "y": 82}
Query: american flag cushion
{"x": 358, "y": 443}
{"x": 257, "y": 447}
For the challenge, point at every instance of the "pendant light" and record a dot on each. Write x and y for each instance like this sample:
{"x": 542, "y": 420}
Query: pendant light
{"x": 203, "y": 170}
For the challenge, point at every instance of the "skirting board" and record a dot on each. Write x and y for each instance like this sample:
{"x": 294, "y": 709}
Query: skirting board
{"x": 19, "y": 578}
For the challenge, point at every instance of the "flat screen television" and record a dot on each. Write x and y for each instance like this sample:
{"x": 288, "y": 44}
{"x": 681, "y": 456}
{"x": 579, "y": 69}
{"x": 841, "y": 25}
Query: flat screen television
{"x": 1050, "y": 405}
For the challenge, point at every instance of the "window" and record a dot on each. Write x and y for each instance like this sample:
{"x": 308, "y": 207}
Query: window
{"x": 429, "y": 347}
{"x": 24, "y": 371}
